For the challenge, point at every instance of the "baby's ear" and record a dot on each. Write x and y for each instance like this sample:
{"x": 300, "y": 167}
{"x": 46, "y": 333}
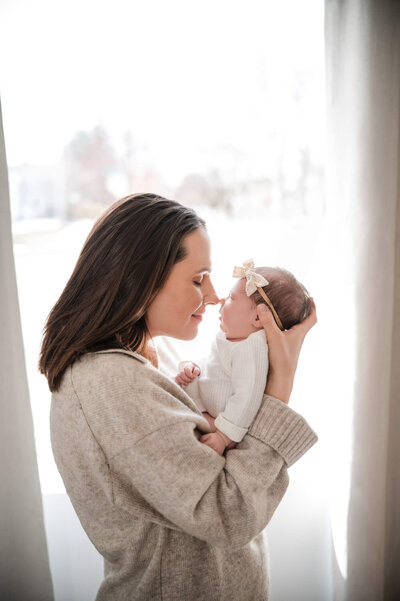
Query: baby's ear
{"x": 255, "y": 322}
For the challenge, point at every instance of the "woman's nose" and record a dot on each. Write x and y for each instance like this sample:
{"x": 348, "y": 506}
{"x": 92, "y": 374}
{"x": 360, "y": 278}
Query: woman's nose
{"x": 210, "y": 296}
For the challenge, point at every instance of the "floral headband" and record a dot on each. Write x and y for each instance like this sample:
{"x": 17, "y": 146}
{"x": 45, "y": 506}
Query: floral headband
{"x": 254, "y": 282}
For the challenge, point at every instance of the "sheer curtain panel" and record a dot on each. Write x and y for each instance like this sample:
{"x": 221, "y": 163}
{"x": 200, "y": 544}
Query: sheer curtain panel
{"x": 24, "y": 565}
{"x": 363, "y": 114}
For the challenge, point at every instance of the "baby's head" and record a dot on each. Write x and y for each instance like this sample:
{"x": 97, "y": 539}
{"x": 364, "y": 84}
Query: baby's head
{"x": 289, "y": 298}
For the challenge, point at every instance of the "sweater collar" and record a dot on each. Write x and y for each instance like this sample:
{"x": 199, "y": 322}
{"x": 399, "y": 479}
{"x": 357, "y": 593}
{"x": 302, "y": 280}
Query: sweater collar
{"x": 124, "y": 352}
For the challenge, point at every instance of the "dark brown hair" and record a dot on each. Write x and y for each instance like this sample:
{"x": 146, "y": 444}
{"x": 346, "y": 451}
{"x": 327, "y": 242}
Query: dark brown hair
{"x": 289, "y": 297}
{"x": 123, "y": 264}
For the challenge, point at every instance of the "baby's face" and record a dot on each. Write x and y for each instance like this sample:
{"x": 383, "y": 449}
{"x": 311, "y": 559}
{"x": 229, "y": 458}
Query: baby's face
{"x": 238, "y": 313}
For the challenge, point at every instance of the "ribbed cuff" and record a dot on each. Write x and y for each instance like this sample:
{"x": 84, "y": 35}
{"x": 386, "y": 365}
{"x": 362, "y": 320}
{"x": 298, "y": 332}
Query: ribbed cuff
{"x": 283, "y": 429}
{"x": 234, "y": 432}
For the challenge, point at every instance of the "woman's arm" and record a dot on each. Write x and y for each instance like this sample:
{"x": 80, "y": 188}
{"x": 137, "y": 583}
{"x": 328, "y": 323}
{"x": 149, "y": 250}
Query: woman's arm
{"x": 284, "y": 350}
{"x": 172, "y": 479}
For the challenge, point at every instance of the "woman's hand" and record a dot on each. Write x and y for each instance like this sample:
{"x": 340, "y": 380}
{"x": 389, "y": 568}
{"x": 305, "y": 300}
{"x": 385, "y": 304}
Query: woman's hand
{"x": 283, "y": 350}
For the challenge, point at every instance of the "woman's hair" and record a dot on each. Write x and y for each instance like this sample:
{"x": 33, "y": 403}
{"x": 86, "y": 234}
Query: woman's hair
{"x": 289, "y": 297}
{"x": 123, "y": 264}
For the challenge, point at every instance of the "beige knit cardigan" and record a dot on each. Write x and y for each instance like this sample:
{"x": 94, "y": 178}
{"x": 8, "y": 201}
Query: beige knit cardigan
{"x": 173, "y": 520}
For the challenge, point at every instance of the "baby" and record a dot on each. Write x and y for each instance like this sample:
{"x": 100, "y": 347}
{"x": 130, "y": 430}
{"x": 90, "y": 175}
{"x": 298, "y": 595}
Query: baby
{"x": 231, "y": 384}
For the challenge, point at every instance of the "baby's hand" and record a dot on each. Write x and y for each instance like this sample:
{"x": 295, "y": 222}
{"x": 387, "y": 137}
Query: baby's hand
{"x": 190, "y": 372}
{"x": 217, "y": 441}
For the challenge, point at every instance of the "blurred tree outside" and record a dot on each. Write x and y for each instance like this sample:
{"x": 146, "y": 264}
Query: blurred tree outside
{"x": 197, "y": 189}
{"x": 95, "y": 171}
{"x": 89, "y": 160}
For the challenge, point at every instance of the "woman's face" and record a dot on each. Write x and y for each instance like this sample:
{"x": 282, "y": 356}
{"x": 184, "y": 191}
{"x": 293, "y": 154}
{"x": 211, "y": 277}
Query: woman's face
{"x": 238, "y": 313}
{"x": 178, "y": 308}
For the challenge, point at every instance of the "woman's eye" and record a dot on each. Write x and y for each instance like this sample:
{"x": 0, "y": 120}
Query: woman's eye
{"x": 198, "y": 283}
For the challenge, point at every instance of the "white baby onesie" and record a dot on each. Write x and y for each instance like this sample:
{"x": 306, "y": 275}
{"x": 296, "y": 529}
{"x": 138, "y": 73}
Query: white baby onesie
{"x": 232, "y": 382}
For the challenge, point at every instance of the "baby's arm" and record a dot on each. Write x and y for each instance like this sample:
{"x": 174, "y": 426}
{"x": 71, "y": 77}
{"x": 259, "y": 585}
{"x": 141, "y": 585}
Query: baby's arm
{"x": 189, "y": 371}
{"x": 216, "y": 439}
{"x": 188, "y": 378}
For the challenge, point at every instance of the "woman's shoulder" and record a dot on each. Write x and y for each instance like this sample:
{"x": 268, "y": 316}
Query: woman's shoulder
{"x": 98, "y": 373}
{"x": 118, "y": 369}
{"x": 121, "y": 375}
{"x": 118, "y": 398}
{"x": 109, "y": 364}
{"x": 112, "y": 356}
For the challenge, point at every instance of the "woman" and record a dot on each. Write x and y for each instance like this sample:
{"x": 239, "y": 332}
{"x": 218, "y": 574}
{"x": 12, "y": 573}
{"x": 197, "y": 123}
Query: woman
{"x": 172, "y": 519}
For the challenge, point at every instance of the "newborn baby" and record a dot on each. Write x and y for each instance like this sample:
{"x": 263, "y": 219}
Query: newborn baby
{"x": 230, "y": 385}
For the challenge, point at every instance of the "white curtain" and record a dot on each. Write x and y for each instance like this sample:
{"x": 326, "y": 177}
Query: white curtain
{"x": 24, "y": 566}
{"x": 363, "y": 163}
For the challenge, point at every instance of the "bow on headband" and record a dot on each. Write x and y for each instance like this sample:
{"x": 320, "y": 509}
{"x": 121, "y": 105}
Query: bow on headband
{"x": 253, "y": 280}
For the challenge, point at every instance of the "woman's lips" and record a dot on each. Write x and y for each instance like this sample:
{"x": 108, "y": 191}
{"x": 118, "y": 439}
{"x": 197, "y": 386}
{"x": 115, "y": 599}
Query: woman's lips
{"x": 197, "y": 316}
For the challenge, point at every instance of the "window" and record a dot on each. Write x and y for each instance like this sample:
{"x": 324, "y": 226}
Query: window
{"x": 219, "y": 105}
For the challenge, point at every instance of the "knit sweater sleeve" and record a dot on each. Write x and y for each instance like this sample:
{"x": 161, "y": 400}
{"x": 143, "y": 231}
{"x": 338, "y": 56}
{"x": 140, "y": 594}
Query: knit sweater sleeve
{"x": 151, "y": 441}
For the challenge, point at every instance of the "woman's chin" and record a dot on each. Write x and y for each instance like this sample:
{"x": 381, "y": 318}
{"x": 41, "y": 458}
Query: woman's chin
{"x": 191, "y": 336}
{"x": 188, "y": 333}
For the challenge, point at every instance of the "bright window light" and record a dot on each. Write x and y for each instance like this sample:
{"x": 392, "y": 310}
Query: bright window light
{"x": 217, "y": 104}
